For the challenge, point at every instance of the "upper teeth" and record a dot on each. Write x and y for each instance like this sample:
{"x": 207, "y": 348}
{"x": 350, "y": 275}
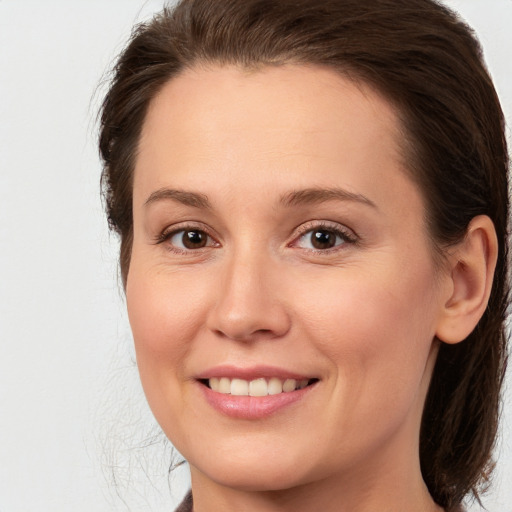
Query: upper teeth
{"x": 256, "y": 387}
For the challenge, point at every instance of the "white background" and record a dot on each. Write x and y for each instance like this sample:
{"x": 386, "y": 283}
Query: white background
{"x": 70, "y": 404}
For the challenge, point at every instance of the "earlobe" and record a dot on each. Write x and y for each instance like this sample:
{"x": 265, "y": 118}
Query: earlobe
{"x": 472, "y": 264}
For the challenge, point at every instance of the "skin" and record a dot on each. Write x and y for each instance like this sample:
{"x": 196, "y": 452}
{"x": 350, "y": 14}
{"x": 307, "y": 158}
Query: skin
{"x": 362, "y": 317}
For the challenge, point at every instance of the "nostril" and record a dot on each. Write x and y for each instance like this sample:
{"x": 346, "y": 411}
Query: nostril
{"x": 246, "y": 335}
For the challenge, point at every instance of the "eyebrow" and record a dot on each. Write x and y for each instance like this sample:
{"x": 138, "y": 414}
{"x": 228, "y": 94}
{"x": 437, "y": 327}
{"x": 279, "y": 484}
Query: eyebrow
{"x": 293, "y": 198}
{"x": 192, "y": 199}
{"x": 320, "y": 195}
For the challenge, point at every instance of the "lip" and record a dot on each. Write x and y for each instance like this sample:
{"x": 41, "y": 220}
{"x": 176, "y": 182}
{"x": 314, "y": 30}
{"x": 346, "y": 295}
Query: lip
{"x": 254, "y": 372}
{"x": 250, "y": 407}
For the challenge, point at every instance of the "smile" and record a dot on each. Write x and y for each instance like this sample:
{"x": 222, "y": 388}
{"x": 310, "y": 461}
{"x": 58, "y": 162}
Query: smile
{"x": 253, "y": 393}
{"x": 256, "y": 387}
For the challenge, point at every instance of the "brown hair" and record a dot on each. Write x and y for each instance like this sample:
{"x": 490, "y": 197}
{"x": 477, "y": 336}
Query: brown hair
{"x": 427, "y": 62}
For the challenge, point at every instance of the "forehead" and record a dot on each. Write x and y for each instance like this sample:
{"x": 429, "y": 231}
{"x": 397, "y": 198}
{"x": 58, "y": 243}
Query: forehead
{"x": 288, "y": 124}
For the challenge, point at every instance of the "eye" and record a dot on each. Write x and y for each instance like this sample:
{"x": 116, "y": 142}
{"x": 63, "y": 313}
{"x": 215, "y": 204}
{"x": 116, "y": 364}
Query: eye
{"x": 188, "y": 239}
{"x": 323, "y": 238}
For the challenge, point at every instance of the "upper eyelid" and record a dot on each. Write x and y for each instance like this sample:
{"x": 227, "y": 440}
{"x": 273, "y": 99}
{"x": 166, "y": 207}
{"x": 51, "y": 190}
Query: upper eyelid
{"x": 187, "y": 225}
{"x": 319, "y": 224}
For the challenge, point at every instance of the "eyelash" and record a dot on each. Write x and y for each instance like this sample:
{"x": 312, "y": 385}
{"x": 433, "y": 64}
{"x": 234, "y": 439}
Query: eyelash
{"x": 167, "y": 234}
{"x": 345, "y": 235}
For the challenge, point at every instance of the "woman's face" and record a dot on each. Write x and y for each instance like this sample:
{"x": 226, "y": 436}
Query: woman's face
{"x": 279, "y": 242}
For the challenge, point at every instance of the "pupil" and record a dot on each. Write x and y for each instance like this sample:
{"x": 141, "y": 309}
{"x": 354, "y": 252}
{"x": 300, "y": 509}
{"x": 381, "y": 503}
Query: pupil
{"x": 194, "y": 239}
{"x": 323, "y": 239}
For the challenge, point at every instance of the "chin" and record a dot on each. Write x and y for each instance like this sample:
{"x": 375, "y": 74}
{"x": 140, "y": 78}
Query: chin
{"x": 246, "y": 474}
{"x": 252, "y": 480}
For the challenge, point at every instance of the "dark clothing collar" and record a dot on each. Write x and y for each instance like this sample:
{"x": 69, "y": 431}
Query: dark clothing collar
{"x": 187, "y": 504}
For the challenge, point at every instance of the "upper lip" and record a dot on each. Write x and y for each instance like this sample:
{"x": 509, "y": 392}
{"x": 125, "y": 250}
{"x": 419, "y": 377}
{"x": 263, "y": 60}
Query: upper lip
{"x": 251, "y": 373}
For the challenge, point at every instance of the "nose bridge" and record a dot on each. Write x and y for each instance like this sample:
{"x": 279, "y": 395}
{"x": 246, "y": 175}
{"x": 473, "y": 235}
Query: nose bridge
{"x": 248, "y": 302}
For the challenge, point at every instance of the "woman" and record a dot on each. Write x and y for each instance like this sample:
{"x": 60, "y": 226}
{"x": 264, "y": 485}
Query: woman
{"x": 312, "y": 205}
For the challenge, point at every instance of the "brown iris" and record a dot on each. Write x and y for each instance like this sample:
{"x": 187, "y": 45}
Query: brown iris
{"x": 323, "y": 239}
{"x": 194, "y": 239}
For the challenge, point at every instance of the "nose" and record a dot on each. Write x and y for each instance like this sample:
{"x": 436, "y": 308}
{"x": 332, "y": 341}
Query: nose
{"x": 249, "y": 304}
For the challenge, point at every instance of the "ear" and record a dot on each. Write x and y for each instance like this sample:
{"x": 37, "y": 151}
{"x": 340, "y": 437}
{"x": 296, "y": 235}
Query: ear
{"x": 470, "y": 275}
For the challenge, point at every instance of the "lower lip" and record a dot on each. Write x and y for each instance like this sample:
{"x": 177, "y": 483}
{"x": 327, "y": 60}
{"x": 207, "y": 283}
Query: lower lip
{"x": 253, "y": 407}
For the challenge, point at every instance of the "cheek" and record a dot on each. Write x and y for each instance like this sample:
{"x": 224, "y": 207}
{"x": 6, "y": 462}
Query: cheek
{"x": 162, "y": 328}
{"x": 376, "y": 329}
{"x": 160, "y": 311}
